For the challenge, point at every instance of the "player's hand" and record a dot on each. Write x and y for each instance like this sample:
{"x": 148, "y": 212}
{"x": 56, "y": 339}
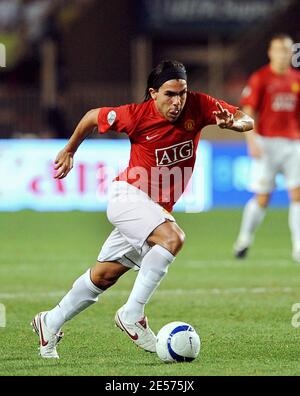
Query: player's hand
{"x": 224, "y": 118}
{"x": 63, "y": 164}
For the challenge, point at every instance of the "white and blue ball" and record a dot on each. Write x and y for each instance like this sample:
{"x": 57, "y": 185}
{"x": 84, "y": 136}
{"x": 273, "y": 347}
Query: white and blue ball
{"x": 177, "y": 342}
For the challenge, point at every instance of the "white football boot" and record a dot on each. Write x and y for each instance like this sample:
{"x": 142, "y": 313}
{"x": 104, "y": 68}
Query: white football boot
{"x": 139, "y": 332}
{"x": 241, "y": 248}
{"x": 48, "y": 340}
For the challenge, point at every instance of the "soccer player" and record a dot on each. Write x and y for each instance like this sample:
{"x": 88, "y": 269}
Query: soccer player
{"x": 272, "y": 96}
{"x": 164, "y": 132}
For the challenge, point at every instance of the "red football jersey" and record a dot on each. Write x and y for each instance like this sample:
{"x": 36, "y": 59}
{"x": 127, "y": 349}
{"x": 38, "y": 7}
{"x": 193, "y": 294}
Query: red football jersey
{"x": 163, "y": 154}
{"x": 276, "y": 99}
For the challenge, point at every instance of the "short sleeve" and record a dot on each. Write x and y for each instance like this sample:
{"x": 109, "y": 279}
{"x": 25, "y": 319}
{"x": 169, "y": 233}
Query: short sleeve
{"x": 208, "y": 106}
{"x": 252, "y": 93}
{"x": 118, "y": 119}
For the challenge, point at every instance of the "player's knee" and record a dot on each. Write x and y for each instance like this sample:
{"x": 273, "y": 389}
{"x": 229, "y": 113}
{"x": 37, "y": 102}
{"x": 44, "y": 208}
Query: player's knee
{"x": 295, "y": 195}
{"x": 106, "y": 283}
{"x": 174, "y": 241}
{"x": 103, "y": 279}
{"x": 169, "y": 236}
{"x": 263, "y": 200}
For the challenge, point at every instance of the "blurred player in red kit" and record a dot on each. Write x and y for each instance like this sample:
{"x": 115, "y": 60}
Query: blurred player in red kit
{"x": 164, "y": 132}
{"x": 272, "y": 97}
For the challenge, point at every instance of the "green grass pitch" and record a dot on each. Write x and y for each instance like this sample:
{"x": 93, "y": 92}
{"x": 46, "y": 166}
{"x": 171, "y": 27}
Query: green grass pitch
{"x": 241, "y": 309}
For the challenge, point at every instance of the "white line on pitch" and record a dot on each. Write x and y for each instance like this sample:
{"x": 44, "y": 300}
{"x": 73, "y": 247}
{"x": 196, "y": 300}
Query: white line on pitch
{"x": 166, "y": 292}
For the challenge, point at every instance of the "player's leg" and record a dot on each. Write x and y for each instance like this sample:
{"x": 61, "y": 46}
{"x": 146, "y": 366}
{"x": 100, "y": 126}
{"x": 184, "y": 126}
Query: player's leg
{"x": 85, "y": 292}
{"x": 144, "y": 223}
{"x": 253, "y": 215}
{"x": 105, "y": 274}
{"x": 294, "y": 222}
{"x": 264, "y": 171}
{"x": 165, "y": 241}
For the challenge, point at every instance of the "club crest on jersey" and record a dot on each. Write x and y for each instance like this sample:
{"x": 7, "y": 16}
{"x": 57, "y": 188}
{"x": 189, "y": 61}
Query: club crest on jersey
{"x": 189, "y": 125}
{"x": 111, "y": 117}
{"x": 295, "y": 87}
{"x": 171, "y": 155}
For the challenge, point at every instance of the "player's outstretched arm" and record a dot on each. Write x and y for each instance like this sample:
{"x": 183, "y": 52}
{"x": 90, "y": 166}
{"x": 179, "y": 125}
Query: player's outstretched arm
{"x": 64, "y": 159}
{"x": 254, "y": 150}
{"x": 239, "y": 121}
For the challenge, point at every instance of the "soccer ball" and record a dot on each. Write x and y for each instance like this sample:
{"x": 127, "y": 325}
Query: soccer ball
{"x": 177, "y": 342}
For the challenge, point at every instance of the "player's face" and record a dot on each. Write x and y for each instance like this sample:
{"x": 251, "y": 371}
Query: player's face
{"x": 170, "y": 98}
{"x": 280, "y": 53}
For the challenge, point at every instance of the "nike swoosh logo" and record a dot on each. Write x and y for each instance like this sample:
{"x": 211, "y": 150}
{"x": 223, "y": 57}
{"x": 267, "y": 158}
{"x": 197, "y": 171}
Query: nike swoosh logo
{"x": 133, "y": 337}
{"x": 43, "y": 342}
{"x": 143, "y": 323}
{"x": 151, "y": 137}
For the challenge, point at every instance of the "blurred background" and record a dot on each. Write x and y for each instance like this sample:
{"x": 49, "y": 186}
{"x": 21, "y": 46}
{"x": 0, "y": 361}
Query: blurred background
{"x": 64, "y": 57}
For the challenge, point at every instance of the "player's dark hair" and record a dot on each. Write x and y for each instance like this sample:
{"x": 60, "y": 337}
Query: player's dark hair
{"x": 280, "y": 36}
{"x": 168, "y": 68}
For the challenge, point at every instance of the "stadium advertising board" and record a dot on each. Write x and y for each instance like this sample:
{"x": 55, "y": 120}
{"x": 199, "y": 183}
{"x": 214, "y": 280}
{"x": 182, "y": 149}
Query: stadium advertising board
{"x": 221, "y": 177}
{"x": 231, "y": 175}
{"x": 26, "y": 174}
{"x": 194, "y": 16}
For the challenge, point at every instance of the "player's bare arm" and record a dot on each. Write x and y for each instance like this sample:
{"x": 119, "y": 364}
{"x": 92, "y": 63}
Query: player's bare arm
{"x": 64, "y": 159}
{"x": 239, "y": 122}
{"x": 254, "y": 149}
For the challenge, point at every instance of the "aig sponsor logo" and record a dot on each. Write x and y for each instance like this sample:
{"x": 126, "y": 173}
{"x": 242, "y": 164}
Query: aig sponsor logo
{"x": 173, "y": 154}
{"x": 284, "y": 102}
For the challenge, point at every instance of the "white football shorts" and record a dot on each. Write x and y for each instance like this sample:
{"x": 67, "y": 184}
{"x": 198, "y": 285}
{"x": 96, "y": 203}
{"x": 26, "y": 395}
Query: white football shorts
{"x": 135, "y": 216}
{"x": 279, "y": 155}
